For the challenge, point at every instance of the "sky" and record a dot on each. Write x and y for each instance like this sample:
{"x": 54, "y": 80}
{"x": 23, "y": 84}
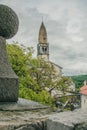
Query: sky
{"x": 66, "y": 25}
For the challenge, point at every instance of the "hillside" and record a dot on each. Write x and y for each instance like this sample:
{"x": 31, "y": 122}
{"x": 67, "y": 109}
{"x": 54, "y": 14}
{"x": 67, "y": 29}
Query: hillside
{"x": 78, "y": 80}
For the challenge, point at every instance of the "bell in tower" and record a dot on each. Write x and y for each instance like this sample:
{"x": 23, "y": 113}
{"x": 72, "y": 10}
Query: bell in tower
{"x": 43, "y": 46}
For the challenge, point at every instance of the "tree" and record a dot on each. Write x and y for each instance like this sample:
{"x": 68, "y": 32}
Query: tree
{"x": 35, "y": 74}
{"x": 26, "y": 68}
{"x": 43, "y": 73}
{"x": 64, "y": 83}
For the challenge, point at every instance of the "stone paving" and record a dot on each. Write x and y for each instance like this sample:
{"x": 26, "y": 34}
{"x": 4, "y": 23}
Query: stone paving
{"x": 24, "y": 115}
{"x": 40, "y": 117}
{"x": 70, "y": 120}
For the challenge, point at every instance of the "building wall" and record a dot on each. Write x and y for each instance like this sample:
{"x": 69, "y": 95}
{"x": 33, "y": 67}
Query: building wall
{"x": 58, "y": 70}
{"x": 83, "y": 101}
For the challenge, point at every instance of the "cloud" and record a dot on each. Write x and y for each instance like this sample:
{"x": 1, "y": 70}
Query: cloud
{"x": 66, "y": 24}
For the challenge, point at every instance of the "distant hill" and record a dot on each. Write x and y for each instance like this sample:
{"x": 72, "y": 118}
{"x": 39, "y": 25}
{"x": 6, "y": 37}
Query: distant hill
{"x": 78, "y": 80}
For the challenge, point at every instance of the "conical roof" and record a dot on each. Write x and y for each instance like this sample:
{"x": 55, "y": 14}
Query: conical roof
{"x": 42, "y": 34}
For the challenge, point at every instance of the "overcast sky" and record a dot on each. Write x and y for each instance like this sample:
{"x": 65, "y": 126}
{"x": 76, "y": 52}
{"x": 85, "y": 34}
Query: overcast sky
{"x": 66, "y": 24}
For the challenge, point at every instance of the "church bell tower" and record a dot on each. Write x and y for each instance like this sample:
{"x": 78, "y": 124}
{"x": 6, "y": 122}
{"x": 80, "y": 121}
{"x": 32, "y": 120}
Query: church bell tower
{"x": 43, "y": 46}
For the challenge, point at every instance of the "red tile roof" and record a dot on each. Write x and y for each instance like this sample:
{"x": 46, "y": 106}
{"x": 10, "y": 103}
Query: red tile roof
{"x": 83, "y": 90}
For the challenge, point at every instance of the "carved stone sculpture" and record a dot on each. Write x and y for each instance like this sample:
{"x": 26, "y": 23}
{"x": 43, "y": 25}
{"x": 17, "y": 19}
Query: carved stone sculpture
{"x": 8, "y": 80}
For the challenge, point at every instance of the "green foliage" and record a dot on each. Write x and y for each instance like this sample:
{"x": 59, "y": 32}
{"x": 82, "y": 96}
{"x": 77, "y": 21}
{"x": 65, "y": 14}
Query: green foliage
{"x": 19, "y": 59}
{"x": 79, "y": 80}
{"x": 30, "y": 75}
{"x": 43, "y": 73}
{"x": 43, "y": 97}
{"x": 64, "y": 83}
{"x": 35, "y": 74}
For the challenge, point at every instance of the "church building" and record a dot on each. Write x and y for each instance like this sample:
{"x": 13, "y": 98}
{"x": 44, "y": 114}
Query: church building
{"x": 43, "y": 49}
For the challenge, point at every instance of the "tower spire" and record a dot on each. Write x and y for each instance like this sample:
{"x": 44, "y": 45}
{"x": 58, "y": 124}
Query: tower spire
{"x": 43, "y": 46}
{"x": 42, "y": 34}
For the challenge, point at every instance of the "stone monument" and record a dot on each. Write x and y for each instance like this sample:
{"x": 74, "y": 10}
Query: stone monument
{"x": 8, "y": 80}
{"x": 9, "y": 84}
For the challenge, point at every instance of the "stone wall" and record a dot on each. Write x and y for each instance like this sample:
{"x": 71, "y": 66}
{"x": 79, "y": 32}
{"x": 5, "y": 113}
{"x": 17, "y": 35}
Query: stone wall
{"x": 41, "y": 120}
{"x": 27, "y": 120}
{"x": 75, "y": 120}
{"x": 30, "y": 115}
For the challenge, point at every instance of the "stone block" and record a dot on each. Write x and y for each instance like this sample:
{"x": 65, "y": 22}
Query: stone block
{"x": 8, "y": 89}
{"x": 8, "y": 22}
{"x": 8, "y": 79}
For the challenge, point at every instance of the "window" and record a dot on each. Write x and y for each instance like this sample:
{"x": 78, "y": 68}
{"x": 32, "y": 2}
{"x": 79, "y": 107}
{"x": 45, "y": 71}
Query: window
{"x": 44, "y": 49}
